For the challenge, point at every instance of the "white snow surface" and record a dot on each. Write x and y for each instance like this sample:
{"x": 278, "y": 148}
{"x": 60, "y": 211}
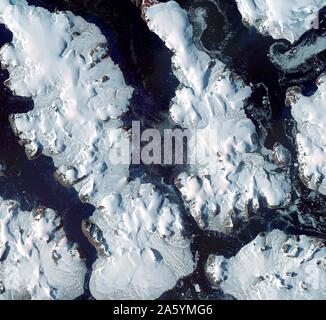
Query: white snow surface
{"x": 310, "y": 115}
{"x": 142, "y": 242}
{"x": 79, "y": 94}
{"x": 36, "y": 259}
{"x": 231, "y": 169}
{"x": 274, "y": 266}
{"x": 288, "y": 19}
{"x": 62, "y": 63}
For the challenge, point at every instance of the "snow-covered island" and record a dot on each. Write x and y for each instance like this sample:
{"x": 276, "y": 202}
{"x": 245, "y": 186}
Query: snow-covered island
{"x": 142, "y": 253}
{"x": 240, "y": 174}
{"x": 281, "y": 19}
{"x": 310, "y": 116}
{"x": 62, "y": 63}
{"x": 37, "y": 261}
{"x": 274, "y": 266}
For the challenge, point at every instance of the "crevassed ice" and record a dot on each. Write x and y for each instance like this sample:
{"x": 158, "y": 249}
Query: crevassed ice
{"x": 274, "y": 266}
{"x": 211, "y": 98}
{"x": 36, "y": 259}
{"x": 79, "y": 94}
{"x": 281, "y": 19}
{"x": 310, "y": 115}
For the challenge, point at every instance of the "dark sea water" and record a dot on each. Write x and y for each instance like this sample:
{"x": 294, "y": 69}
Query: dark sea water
{"x": 146, "y": 65}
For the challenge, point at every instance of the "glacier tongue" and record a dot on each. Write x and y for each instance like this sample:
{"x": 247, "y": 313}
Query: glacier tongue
{"x": 274, "y": 266}
{"x": 79, "y": 94}
{"x": 281, "y": 19}
{"x": 239, "y": 174}
{"x": 36, "y": 259}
